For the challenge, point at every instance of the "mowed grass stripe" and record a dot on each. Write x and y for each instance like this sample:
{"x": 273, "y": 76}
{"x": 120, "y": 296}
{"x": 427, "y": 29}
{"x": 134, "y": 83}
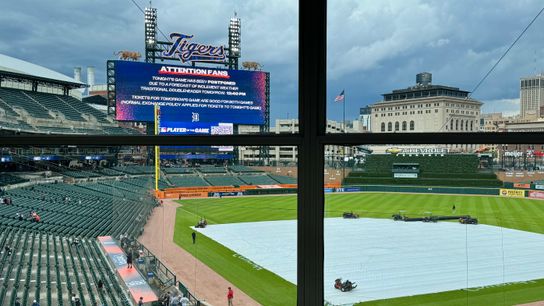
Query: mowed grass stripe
{"x": 269, "y": 289}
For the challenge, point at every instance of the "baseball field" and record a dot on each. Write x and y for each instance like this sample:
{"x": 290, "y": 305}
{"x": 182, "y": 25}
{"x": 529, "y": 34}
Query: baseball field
{"x": 269, "y": 288}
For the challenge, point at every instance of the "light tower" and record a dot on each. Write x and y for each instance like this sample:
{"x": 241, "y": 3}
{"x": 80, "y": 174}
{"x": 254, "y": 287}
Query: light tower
{"x": 150, "y": 25}
{"x": 150, "y": 34}
{"x": 235, "y": 41}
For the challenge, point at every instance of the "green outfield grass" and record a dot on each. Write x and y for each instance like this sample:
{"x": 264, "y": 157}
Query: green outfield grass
{"x": 269, "y": 289}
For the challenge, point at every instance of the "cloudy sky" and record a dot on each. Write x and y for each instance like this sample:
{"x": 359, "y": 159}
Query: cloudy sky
{"x": 374, "y": 46}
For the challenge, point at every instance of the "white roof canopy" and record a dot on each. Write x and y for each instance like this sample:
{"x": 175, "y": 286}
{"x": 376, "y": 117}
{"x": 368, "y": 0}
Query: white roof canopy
{"x": 17, "y": 66}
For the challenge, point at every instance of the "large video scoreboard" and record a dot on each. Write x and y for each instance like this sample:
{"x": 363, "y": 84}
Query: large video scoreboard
{"x": 189, "y": 95}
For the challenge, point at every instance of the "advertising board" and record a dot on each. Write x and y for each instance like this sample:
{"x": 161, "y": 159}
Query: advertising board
{"x": 536, "y": 194}
{"x": 405, "y": 175}
{"x": 512, "y": 193}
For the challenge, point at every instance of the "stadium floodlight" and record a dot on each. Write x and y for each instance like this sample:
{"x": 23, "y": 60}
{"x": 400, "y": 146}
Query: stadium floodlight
{"x": 235, "y": 33}
{"x": 150, "y": 26}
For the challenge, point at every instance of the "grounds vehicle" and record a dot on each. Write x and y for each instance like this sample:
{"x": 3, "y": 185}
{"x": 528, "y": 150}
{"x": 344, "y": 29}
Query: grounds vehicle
{"x": 468, "y": 220}
{"x": 202, "y": 223}
{"x": 350, "y": 215}
{"x": 344, "y": 286}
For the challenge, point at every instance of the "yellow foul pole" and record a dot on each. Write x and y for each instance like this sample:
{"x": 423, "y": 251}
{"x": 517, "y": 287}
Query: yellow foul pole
{"x": 157, "y": 151}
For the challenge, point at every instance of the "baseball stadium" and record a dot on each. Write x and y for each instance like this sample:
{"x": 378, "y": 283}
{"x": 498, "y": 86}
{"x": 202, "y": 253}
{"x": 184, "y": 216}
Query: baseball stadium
{"x": 111, "y": 194}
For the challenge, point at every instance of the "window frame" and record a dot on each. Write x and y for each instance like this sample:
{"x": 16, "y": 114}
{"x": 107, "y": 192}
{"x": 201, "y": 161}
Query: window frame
{"x": 311, "y": 141}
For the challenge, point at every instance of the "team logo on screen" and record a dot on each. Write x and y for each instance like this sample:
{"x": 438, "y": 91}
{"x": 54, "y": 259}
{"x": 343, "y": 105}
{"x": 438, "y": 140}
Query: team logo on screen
{"x": 195, "y": 117}
{"x": 187, "y": 51}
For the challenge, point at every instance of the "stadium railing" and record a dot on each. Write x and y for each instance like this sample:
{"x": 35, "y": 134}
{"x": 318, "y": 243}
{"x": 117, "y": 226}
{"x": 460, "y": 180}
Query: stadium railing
{"x": 158, "y": 276}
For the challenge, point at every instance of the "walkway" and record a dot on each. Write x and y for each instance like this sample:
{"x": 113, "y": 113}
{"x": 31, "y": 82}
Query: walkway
{"x": 202, "y": 281}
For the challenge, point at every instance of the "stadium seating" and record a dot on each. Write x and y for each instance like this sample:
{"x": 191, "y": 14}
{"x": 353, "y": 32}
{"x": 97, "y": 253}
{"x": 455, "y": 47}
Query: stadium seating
{"x": 9, "y": 111}
{"x": 85, "y": 108}
{"x": 243, "y": 169}
{"x": 118, "y": 130}
{"x": 17, "y": 126}
{"x": 53, "y": 102}
{"x": 257, "y": 180}
{"x": 212, "y": 169}
{"x": 79, "y": 210}
{"x": 38, "y": 105}
{"x": 79, "y": 174}
{"x": 284, "y": 179}
{"x": 16, "y": 98}
{"x": 8, "y": 179}
{"x": 108, "y": 172}
{"x": 461, "y": 163}
{"x": 136, "y": 170}
{"x": 177, "y": 170}
{"x": 49, "y": 269}
{"x": 55, "y": 130}
{"x": 450, "y": 170}
{"x": 187, "y": 181}
{"x": 224, "y": 181}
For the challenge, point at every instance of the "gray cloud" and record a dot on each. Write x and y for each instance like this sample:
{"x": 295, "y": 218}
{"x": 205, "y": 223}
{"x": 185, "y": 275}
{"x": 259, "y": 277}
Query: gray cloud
{"x": 374, "y": 46}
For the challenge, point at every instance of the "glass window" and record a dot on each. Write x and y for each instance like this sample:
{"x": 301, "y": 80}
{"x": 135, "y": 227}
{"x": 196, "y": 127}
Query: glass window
{"x": 101, "y": 96}
{"x": 200, "y": 211}
{"x": 395, "y": 197}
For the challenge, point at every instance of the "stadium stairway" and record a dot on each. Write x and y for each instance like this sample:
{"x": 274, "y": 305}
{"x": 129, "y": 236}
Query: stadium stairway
{"x": 50, "y": 101}
{"x": 47, "y": 268}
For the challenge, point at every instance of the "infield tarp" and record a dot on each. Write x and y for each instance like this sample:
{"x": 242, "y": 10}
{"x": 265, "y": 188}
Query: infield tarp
{"x": 389, "y": 259}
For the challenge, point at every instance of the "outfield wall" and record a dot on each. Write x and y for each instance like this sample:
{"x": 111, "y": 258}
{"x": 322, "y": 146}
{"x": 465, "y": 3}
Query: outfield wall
{"x": 418, "y": 189}
{"x": 226, "y": 191}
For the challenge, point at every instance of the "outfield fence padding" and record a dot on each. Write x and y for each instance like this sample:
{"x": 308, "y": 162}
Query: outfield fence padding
{"x": 428, "y": 189}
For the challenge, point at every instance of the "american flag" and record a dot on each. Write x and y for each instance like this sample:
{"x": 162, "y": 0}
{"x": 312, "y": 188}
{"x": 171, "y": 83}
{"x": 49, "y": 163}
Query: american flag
{"x": 340, "y": 97}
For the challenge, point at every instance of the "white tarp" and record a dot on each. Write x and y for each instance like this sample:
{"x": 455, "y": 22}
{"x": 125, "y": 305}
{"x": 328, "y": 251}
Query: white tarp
{"x": 389, "y": 259}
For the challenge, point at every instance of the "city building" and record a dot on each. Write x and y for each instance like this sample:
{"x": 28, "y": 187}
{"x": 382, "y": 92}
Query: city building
{"x": 426, "y": 108}
{"x": 365, "y": 119}
{"x": 287, "y": 155}
{"x": 493, "y": 122}
{"x": 532, "y": 97}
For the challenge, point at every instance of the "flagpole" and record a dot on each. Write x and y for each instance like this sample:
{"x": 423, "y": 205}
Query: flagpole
{"x": 344, "y": 131}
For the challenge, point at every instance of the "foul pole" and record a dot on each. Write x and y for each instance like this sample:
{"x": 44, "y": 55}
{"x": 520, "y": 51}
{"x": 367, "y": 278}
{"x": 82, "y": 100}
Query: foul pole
{"x": 157, "y": 148}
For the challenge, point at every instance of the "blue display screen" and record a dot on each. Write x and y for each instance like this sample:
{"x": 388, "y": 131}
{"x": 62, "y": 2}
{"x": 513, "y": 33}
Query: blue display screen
{"x": 189, "y": 94}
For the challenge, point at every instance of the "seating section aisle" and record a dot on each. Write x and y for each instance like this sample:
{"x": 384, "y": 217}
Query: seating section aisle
{"x": 85, "y": 108}
{"x": 53, "y": 102}
{"x": 50, "y": 268}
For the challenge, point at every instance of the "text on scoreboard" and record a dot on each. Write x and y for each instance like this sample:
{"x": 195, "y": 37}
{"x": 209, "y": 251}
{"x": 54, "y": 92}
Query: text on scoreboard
{"x": 189, "y": 94}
